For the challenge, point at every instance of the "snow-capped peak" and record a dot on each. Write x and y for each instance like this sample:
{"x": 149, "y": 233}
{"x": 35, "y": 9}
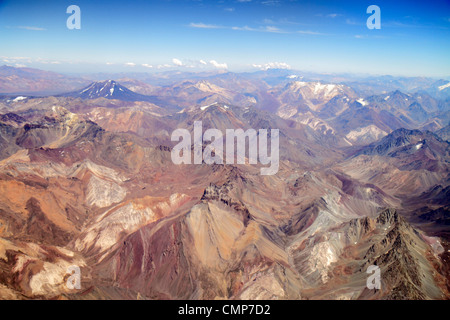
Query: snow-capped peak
{"x": 444, "y": 86}
{"x": 362, "y": 102}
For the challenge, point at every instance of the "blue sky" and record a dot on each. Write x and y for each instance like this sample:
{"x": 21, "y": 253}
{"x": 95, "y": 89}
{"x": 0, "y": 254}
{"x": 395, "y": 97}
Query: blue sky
{"x": 237, "y": 35}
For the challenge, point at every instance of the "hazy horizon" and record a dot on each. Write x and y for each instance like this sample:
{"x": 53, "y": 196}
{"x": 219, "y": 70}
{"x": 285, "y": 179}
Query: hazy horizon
{"x": 237, "y": 36}
{"x": 130, "y": 73}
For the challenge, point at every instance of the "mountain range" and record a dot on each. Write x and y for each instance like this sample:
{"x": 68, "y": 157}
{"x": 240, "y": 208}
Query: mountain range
{"x": 86, "y": 179}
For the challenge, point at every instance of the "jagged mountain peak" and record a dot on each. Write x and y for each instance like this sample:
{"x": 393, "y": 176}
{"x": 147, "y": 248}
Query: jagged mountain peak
{"x": 316, "y": 86}
{"x": 389, "y": 216}
{"x": 407, "y": 142}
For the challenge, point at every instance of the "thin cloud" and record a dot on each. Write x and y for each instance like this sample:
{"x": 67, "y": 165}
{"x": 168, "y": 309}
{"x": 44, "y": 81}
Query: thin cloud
{"x": 177, "y": 62}
{"x": 203, "y": 26}
{"x": 271, "y": 2}
{"x": 311, "y": 32}
{"x": 130, "y": 64}
{"x": 244, "y": 28}
{"x": 39, "y": 60}
{"x": 399, "y": 24}
{"x": 290, "y": 22}
{"x": 272, "y": 65}
{"x": 361, "y": 36}
{"x": 271, "y": 29}
{"x": 162, "y": 66}
{"x": 267, "y": 28}
{"x": 19, "y": 60}
{"x": 147, "y": 65}
{"x": 31, "y": 28}
{"x": 268, "y": 21}
{"x": 282, "y": 21}
{"x": 329, "y": 15}
{"x": 218, "y": 65}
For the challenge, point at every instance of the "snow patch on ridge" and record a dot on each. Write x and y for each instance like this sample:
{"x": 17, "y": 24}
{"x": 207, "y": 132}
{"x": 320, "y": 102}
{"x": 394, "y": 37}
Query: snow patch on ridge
{"x": 206, "y": 107}
{"x": 366, "y": 134}
{"x": 362, "y": 102}
{"x": 444, "y": 86}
